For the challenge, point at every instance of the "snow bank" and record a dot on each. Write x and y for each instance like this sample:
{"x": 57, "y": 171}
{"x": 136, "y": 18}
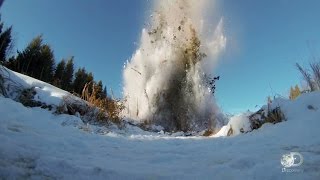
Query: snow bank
{"x": 238, "y": 124}
{"x": 305, "y": 107}
{"x": 45, "y": 92}
{"x": 35, "y": 144}
{"x": 38, "y": 145}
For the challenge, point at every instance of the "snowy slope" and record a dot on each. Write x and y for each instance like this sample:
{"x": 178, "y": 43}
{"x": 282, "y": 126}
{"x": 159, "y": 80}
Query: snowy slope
{"x": 45, "y": 92}
{"x": 35, "y": 144}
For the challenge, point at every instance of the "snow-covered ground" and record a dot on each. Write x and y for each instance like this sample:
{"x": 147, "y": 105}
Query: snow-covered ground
{"x": 36, "y": 144}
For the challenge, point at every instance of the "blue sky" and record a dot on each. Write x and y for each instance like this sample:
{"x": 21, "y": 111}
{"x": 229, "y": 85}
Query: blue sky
{"x": 264, "y": 40}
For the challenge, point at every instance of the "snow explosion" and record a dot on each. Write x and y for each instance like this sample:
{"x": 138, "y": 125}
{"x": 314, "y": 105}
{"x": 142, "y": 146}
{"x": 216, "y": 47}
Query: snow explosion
{"x": 165, "y": 81}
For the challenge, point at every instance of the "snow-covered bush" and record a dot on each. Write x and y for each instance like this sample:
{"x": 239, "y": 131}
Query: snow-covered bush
{"x": 267, "y": 114}
{"x": 247, "y": 122}
{"x": 9, "y": 87}
{"x": 239, "y": 124}
{"x": 26, "y": 97}
{"x": 82, "y": 109}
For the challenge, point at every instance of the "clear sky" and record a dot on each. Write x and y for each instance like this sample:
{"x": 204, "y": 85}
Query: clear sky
{"x": 265, "y": 39}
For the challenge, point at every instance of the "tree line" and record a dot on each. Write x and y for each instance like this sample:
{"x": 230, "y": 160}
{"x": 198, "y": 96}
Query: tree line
{"x": 37, "y": 60}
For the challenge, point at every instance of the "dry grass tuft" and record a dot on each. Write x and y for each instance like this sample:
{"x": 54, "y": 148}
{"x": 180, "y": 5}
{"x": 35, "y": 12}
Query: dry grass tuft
{"x": 275, "y": 116}
{"x": 208, "y": 132}
{"x": 108, "y": 109}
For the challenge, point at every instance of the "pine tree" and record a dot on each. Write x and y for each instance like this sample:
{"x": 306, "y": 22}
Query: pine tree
{"x": 57, "y": 79}
{"x": 5, "y": 42}
{"x": 12, "y": 63}
{"x": 46, "y": 64}
{"x": 37, "y": 60}
{"x": 104, "y": 92}
{"x": 80, "y": 80}
{"x": 28, "y": 59}
{"x": 67, "y": 77}
{"x": 89, "y": 79}
{"x": 99, "y": 89}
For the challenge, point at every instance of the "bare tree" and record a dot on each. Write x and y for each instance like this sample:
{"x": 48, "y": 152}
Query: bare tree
{"x": 307, "y": 77}
{"x": 316, "y": 73}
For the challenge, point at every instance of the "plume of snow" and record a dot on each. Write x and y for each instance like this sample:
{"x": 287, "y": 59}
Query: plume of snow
{"x": 164, "y": 82}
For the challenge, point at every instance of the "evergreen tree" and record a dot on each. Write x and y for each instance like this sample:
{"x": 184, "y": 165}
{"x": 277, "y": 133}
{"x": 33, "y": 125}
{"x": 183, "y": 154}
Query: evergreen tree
{"x": 5, "y": 42}
{"x": 99, "y": 89}
{"x": 37, "y": 60}
{"x": 68, "y": 75}
{"x": 11, "y": 63}
{"x": 46, "y": 64}
{"x": 28, "y": 59}
{"x": 89, "y": 79}
{"x": 57, "y": 79}
{"x": 104, "y": 92}
{"x": 80, "y": 80}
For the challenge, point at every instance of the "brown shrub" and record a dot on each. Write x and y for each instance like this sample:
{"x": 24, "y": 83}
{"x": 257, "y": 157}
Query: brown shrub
{"x": 108, "y": 109}
{"x": 208, "y": 132}
{"x": 275, "y": 116}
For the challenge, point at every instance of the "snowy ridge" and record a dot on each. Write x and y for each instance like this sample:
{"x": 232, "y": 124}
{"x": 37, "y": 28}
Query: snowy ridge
{"x": 35, "y": 144}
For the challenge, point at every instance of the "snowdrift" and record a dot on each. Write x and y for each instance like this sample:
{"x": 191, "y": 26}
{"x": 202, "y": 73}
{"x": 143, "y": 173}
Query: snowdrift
{"x": 35, "y": 144}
